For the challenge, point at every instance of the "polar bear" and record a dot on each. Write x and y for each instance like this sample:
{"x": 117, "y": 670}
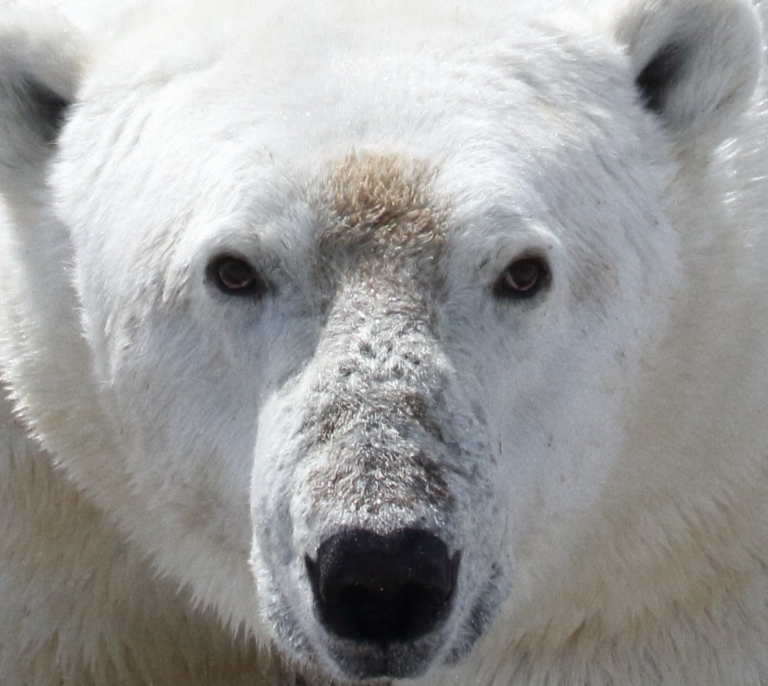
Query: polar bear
{"x": 383, "y": 342}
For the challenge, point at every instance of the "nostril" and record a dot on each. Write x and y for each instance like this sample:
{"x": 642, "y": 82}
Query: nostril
{"x": 382, "y": 588}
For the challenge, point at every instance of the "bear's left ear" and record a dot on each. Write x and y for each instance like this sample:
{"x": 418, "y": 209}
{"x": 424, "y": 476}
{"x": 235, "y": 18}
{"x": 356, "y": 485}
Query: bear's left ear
{"x": 696, "y": 62}
{"x": 40, "y": 64}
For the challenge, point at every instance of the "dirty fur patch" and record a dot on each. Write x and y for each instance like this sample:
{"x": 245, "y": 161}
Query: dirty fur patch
{"x": 379, "y": 204}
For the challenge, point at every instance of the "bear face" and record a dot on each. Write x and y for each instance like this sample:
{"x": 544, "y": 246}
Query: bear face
{"x": 352, "y": 346}
{"x": 360, "y": 378}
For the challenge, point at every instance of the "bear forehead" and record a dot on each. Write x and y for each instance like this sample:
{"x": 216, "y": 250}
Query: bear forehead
{"x": 495, "y": 129}
{"x": 315, "y": 77}
{"x": 376, "y": 224}
{"x": 378, "y": 202}
{"x": 463, "y": 86}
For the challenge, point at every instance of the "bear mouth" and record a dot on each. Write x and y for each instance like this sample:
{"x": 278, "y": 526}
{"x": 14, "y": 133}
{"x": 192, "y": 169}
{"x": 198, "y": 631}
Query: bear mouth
{"x": 448, "y": 644}
{"x": 387, "y": 604}
{"x": 396, "y": 660}
{"x": 400, "y": 645}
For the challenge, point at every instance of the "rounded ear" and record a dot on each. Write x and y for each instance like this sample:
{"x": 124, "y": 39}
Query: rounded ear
{"x": 696, "y": 62}
{"x": 40, "y": 64}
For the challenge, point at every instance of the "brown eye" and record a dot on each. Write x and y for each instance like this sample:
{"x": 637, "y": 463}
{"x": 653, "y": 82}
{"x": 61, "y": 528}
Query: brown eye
{"x": 522, "y": 279}
{"x": 235, "y": 276}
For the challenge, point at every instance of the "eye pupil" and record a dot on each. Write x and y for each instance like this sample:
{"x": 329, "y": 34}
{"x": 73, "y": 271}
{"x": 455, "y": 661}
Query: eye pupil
{"x": 523, "y": 278}
{"x": 234, "y": 276}
{"x": 523, "y": 275}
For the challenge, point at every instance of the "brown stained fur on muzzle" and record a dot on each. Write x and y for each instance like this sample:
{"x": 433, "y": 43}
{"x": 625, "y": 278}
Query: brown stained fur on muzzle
{"x": 341, "y": 413}
{"x": 381, "y": 237}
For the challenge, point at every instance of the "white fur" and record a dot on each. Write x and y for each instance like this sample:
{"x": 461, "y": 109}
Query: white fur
{"x": 602, "y": 447}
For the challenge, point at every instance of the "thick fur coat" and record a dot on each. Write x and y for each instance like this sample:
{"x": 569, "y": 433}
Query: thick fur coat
{"x": 382, "y": 343}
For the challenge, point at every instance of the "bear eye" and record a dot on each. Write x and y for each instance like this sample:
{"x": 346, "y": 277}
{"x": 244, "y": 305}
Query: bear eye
{"x": 235, "y": 276}
{"x": 523, "y": 278}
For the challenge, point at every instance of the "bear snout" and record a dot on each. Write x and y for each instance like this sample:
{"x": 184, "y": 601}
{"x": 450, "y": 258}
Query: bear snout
{"x": 382, "y": 589}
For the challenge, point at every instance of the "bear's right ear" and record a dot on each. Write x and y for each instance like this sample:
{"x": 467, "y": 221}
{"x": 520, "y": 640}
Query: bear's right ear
{"x": 696, "y": 62}
{"x": 40, "y": 63}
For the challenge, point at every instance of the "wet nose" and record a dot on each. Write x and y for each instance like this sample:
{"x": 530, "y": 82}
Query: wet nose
{"x": 378, "y": 588}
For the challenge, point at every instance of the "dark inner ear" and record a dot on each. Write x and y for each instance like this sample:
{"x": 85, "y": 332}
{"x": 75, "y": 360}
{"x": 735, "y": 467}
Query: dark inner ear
{"x": 48, "y": 108}
{"x": 660, "y": 74}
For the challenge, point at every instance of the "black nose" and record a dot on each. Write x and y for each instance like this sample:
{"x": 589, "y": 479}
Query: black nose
{"x": 381, "y": 589}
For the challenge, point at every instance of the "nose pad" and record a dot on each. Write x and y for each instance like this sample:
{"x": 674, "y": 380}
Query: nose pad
{"x": 382, "y": 588}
